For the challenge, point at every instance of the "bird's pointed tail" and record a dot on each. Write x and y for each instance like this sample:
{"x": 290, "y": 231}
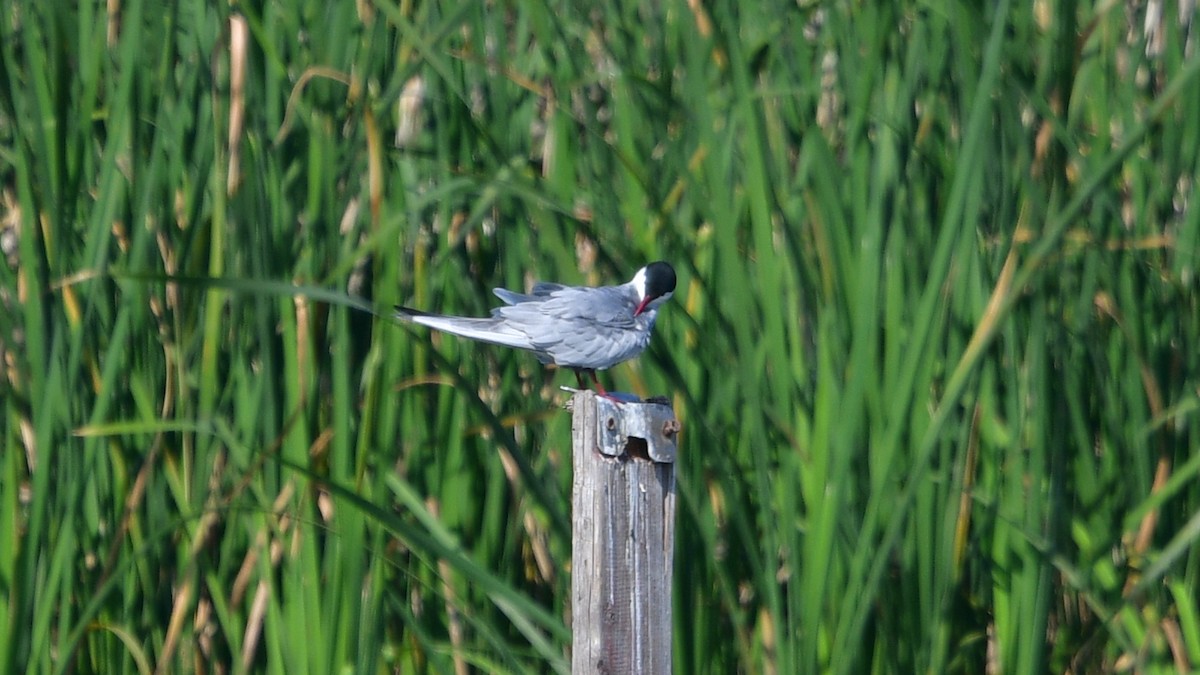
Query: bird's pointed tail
{"x": 493, "y": 330}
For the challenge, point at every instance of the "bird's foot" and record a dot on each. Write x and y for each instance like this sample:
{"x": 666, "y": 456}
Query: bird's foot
{"x": 614, "y": 396}
{"x": 620, "y": 397}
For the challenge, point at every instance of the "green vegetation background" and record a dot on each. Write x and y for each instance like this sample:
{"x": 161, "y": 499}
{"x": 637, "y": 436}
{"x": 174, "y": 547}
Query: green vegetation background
{"x": 934, "y": 347}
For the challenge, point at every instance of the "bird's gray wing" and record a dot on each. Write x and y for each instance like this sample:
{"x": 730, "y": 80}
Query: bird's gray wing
{"x": 544, "y": 288}
{"x": 540, "y": 291}
{"x": 596, "y": 351}
{"x": 580, "y": 327}
{"x": 594, "y": 307}
{"x": 510, "y": 297}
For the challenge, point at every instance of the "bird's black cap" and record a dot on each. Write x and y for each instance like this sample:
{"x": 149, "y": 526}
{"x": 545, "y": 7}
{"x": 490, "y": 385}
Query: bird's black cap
{"x": 660, "y": 279}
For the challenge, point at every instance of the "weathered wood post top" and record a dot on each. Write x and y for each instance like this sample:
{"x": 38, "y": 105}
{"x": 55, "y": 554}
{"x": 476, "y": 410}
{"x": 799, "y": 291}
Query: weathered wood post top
{"x": 623, "y": 512}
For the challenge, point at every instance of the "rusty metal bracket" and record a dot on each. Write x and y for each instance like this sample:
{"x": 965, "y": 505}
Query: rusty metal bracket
{"x": 623, "y": 428}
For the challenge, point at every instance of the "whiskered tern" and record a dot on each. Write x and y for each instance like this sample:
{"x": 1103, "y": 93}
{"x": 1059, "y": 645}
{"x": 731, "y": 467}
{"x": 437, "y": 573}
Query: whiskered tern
{"x": 578, "y": 327}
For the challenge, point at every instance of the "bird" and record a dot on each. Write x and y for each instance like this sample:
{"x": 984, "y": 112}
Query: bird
{"x": 582, "y": 328}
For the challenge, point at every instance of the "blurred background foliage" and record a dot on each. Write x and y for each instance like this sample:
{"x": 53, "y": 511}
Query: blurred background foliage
{"x": 934, "y": 345}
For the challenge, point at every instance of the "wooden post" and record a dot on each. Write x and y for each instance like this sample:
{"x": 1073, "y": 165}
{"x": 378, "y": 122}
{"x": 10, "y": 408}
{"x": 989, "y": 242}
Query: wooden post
{"x": 623, "y": 540}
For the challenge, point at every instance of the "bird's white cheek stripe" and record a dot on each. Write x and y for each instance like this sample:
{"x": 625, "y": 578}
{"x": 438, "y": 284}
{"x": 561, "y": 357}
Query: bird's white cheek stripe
{"x": 639, "y": 283}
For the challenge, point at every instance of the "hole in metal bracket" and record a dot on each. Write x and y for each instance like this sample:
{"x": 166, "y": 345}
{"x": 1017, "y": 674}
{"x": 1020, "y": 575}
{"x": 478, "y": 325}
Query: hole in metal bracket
{"x": 637, "y": 448}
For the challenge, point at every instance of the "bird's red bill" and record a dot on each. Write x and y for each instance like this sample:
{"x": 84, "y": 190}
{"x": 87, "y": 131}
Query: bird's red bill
{"x": 641, "y": 306}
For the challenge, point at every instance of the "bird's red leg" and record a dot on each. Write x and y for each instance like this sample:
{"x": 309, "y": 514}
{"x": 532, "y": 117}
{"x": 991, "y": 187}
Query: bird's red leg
{"x": 596, "y": 380}
{"x": 600, "y": 387}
